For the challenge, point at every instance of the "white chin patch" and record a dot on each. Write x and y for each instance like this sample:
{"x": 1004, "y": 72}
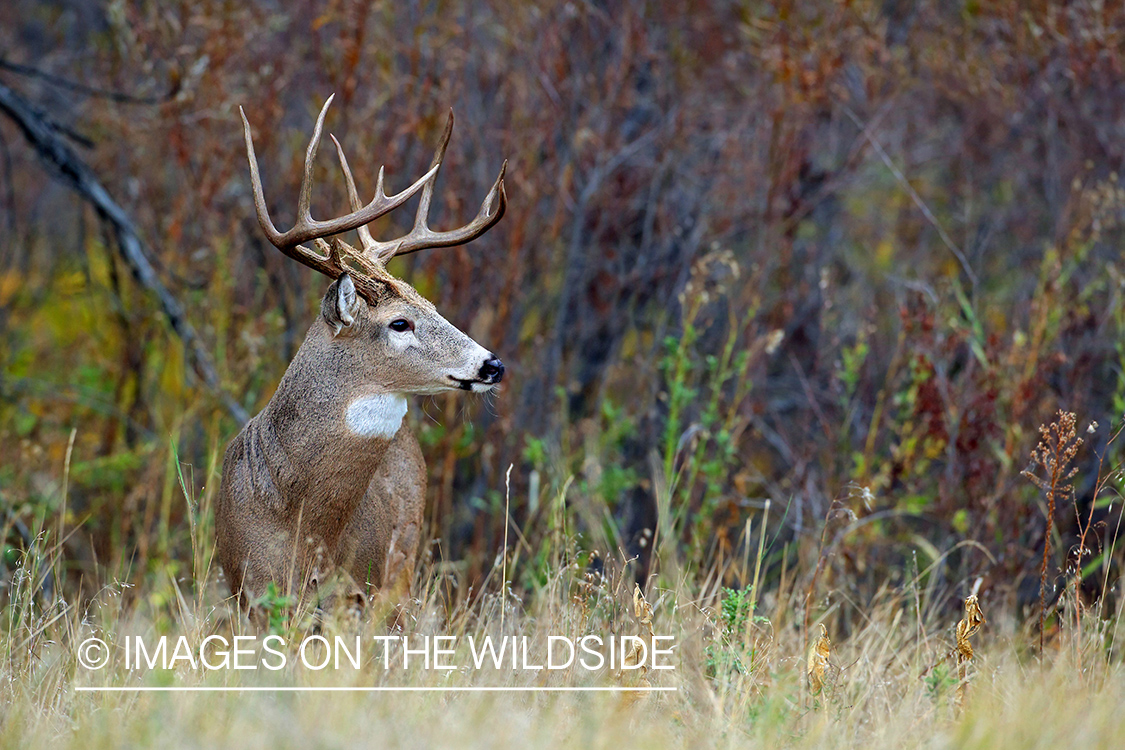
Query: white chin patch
{"x": 376, "y": 416}
{"x": 480, "y": 387}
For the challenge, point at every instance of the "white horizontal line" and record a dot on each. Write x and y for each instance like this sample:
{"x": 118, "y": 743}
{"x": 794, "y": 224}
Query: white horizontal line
{"x": 292, "y": 689}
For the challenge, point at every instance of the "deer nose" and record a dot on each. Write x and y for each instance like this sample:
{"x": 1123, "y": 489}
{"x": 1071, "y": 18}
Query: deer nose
{"x": 492, "y": 371}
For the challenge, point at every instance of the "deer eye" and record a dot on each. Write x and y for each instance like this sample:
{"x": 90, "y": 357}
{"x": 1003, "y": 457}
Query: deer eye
{"x": 401, "y": 325}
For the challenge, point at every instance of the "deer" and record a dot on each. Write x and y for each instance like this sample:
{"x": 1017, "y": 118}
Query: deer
{"x": 327, "y": 484}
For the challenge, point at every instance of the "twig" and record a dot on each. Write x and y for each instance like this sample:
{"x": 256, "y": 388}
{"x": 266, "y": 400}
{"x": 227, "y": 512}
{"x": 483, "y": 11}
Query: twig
{"x": 1099, "y": 485}
{"x": 66, "y": 166}
{"x": 81, "y": 88}
{"x": 945, "y": 238}
{"x": 504, "y": 554}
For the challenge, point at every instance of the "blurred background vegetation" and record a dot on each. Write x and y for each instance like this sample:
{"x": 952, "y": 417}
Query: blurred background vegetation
{"x": 834, "y": 259}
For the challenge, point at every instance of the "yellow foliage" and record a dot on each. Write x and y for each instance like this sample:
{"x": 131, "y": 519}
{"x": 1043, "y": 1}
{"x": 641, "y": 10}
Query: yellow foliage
{"x": 884, "y": 253}
{"x": 10, "y": 283}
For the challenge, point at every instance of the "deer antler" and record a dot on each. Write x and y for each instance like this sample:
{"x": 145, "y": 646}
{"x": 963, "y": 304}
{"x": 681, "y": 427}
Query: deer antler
{"x": 421, "y": 236}
{"x": 367, "y": 266}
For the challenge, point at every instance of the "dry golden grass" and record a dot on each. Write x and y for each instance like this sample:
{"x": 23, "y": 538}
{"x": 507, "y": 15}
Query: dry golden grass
{"x": 883, "y": 692}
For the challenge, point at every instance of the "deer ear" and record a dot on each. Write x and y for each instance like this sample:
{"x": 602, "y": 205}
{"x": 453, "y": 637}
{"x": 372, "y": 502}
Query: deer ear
{"x": 341, "y": 305}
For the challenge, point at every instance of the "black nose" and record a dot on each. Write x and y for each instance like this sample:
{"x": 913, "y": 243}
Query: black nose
{"x": 492, "y": 371}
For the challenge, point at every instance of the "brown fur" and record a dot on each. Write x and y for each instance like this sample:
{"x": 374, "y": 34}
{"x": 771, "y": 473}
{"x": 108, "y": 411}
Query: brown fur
{"x": 304, "y": 497}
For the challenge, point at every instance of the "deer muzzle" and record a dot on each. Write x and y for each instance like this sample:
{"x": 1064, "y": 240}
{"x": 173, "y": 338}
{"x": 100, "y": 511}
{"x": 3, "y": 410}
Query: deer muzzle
{"x": 492, "y": 371}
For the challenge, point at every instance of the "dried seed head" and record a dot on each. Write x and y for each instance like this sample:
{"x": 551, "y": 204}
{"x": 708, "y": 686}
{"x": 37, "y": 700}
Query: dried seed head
{"x": 642, "y": 610}
{"x": 818, "y": 660}
{"x": 969, "y": 626}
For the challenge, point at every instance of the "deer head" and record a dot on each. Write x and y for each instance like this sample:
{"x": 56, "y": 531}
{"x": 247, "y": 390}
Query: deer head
{"x": 376, "y": 328}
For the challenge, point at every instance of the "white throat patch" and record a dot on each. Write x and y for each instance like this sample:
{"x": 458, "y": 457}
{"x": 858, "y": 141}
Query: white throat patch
{"x": 376, "y": 416}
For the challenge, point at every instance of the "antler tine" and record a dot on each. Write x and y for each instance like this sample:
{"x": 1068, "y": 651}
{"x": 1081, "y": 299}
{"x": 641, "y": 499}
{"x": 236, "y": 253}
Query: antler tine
{"x": 306, "y": 228}
{"x": 421, "y": 236}
{"x": 422, "y": 217}
{"x": 256, "y": 183}
{"x": 481, "y": 223}
{"x": 365, "y": 238}
{"x": 304, "y": 198}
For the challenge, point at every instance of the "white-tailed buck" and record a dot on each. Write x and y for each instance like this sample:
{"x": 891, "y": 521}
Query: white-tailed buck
{"x": 327, "y": 480}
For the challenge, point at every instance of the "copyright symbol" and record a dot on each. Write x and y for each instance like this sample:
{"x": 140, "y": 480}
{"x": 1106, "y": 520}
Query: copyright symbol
{"x": 93, "y": 653}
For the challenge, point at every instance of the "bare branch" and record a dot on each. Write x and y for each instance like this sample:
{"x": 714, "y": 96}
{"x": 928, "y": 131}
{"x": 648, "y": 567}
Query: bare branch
{"x": 67, "y": 167}
{"x": 81, "y": 88}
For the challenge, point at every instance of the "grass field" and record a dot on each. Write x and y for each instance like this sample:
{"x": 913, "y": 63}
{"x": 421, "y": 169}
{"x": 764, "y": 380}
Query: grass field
{"x": 740, "y": 676}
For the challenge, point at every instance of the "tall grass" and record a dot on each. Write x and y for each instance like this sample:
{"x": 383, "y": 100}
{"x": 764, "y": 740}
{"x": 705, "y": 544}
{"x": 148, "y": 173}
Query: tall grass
{"x": 739, "y": 677}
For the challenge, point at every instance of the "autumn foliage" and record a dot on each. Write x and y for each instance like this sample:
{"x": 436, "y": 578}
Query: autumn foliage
{"x": 842, "y": 256}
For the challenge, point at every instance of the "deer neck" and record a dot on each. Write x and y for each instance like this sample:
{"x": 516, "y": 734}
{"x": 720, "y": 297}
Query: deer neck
{"x": 327, "y": 436}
